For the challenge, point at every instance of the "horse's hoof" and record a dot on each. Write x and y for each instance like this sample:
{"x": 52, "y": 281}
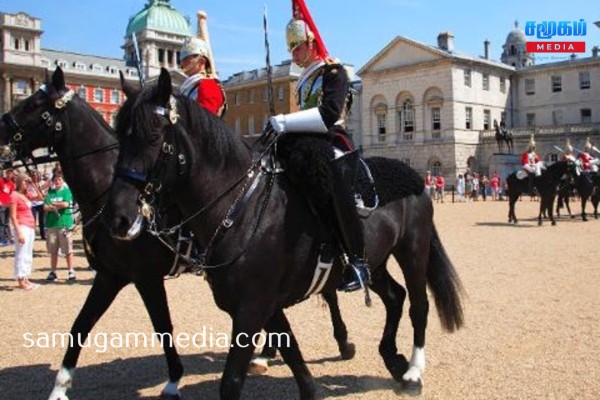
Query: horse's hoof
{"x": 397, "y": 365}
{"x": 258, "y": 366}
{"x": 348, "y": 351}
{"x": 61, "y": 397}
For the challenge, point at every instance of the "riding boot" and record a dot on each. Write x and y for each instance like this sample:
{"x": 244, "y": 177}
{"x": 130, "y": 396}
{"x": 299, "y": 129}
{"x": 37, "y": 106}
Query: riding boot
{"x": 344, "y": 172}
{"x": 531, "y": 187}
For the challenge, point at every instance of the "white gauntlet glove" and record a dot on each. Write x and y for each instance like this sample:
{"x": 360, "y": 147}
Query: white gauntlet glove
{"x": 309, "y": 121}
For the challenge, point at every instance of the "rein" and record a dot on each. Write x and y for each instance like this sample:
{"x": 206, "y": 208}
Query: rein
{"x": 154, "y": 184}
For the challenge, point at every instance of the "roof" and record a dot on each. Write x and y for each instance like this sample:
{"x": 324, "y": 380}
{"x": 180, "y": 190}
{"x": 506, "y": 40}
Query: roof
{"x": 159, "y": 15}
{"x": 434, "y": 50}
{"x": 88, "y": 64}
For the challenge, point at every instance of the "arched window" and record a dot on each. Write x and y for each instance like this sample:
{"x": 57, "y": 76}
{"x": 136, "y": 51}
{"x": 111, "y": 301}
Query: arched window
{"x": 381, "y": 118}
{"x": 407, "y": 119}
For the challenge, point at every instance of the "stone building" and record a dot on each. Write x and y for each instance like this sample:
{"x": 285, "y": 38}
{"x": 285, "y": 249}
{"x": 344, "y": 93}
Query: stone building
{"x": 434, "y": 107}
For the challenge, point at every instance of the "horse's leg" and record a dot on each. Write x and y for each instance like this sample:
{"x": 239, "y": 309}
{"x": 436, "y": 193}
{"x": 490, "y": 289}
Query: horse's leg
{"x": 550, "y": 208}
{"x": 583, "y": 202}
{"x": 247, "y": 322}
{"x": 512, "y": 217}
{"x": 568, "y": 206}
{"x": 104, "y": 290}
{"x": 393, "y": 296}
{"x": 154, "y": 296}
{"x": 260, "y": 364}
{"x": 340, "y": 333}
{"x": 290, "y": 351}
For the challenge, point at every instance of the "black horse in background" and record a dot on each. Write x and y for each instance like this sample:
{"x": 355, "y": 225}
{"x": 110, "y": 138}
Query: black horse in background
{"x": 264, "y": 262}
{"x": 87, "y": 150}
{"x": 584, "y": 184}
{"x": 503, "y": 135}
{"x": 546, "y": 185}
{"x": 566, "y": 190}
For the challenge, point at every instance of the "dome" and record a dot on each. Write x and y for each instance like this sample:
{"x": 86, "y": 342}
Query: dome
{"x": 516, "y": 36}
{"x": 159, "y": 15}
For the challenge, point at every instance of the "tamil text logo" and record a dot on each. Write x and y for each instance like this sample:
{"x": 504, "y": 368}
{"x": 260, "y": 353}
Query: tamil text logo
{"x": 549, "y": 30}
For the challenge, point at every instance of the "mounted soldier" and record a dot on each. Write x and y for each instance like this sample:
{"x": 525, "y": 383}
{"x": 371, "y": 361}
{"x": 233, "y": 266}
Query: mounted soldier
{"x": 317, "y": 152}
{"x": 531, "y": 163}
{"x": 589, "y": 163}
{"x": 202, "y": 83}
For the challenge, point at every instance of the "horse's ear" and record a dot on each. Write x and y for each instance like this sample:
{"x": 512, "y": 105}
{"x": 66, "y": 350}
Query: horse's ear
{"x": 127, "y": 88}
{"x": 58, "y": 79}
{"x": 165, "y": 87}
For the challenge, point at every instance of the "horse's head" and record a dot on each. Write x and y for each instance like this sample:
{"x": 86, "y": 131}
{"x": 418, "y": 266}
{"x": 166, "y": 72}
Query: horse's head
{"x": 35, "y": 122}
{"x": 150, "y": 157}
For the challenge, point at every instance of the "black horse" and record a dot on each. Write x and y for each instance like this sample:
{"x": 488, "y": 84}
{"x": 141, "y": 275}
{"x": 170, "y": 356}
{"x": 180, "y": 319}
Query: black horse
{"x": 87, "y": 150}
{"x": 503, "y": 135}
{"x": 584, "y": 184}
{"x": 263, "y": 260}
{"x": 566, "y": 190}
{"x": 546, "y": 185}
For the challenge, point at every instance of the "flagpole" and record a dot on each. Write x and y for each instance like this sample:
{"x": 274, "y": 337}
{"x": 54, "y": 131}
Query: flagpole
{"x": 269, "y": 69}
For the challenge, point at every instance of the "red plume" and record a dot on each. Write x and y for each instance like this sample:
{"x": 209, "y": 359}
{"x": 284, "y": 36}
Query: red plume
{"x": 300, "y": 11}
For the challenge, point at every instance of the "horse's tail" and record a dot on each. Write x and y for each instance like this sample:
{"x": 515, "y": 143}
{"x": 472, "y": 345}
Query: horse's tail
{"x": 445, "y": 285}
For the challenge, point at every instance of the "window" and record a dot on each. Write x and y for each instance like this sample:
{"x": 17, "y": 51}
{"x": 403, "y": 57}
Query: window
{"x": 17, "y": 43}
{"x": 115, "y": 97}
{"x": 170, "y": 55}
{"x": 280, "y": 93}
{"x": 238, "y": 126}
{"x": 79, "y": 66}
{"x": 21, "y": 87}
{"x": 503, "y": 85}
{"x": 468, "y": 118}
{"x": 530, "y": 119}
{"x": 407, "y": 119}
{"x": 557, "y": 117}
{"x": 436, "y": 168}
{"x": 98, "y": 95}
{"x": 250, "y": 125}
{"x": 468, "y": 77}
{"x": 97, "y": 68}
{"x": 112, "y": 70}
{"x": 265, "y": 95}
{"x": 586, "y": 116}
{"x": 529, "y": 86}
{"x": 436, "y": 124}
{"x": 487, "y": 116}
{"x": 556, "y": 83}
{"x": 553, "y": 157}
{"x": 82, "y": 93}
{"x": 584, "y": 80}
{"x": 161, "y": 56}
{"x": 503, "y": 116}
{"x": 27, "y": 45}
{"x": 251, "y": 96}
{"x": 236, "y": 99}
{"x": 62, "y": 63}
{"x": 381, "y": 126}
{"x": 486, "y": 81}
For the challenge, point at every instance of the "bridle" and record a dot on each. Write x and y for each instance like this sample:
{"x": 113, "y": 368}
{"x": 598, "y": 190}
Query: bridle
{"x": 150, "y": 185}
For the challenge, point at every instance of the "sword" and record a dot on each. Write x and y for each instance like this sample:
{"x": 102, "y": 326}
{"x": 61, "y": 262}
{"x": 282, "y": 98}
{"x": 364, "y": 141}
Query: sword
{"x": 138, "y": 59}
{"x": 559, "y": 149}
{"x": 269, "y": 70}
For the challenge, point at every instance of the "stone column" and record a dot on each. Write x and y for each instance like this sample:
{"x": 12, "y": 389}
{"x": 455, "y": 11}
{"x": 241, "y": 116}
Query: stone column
{"x": 6, "y": 95}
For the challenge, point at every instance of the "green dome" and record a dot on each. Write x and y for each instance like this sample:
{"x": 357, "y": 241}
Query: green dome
{"x": 159, "y": 15}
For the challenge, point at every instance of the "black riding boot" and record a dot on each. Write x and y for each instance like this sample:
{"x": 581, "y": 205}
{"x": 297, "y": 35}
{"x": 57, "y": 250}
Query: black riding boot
{"x": 344, "y": 172}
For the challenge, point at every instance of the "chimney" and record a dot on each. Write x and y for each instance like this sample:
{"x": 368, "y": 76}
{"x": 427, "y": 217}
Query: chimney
{"x": 573, "y": 56}
{"x": 595, "y": 50}
{"x": 486, "y": 49}
{"x": 446, "y": 41}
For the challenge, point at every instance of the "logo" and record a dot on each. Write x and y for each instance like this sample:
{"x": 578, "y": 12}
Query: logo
{"x": 552, "y": 29}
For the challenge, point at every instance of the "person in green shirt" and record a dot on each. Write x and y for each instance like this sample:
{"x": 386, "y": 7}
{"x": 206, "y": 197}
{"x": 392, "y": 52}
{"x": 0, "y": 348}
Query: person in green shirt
{"x": 59, "y": 224}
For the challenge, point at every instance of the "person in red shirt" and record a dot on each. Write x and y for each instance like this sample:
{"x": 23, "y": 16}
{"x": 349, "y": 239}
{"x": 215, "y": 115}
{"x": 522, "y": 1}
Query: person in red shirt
{"x": 588, "y": 162}
{"x": 495, "y": 186}
{"x": 202, "y": 84}
{"x": 440, "y": 183}
{"x": 428, "y": 182}
{"x": 7, "y": 186}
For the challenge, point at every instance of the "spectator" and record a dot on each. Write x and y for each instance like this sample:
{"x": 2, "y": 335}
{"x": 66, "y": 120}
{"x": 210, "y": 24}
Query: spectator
{"x": 23, "y": 225}
{"x": 36, "y": 192}
{"x": 475, "y": 187}
{"x": 460, "y": 188}
{"x": 484, "y": 184}
{"x": 440, "y": 183}
{"x": 428, "y": 182}
{"x": 59, "y": 224}
{"x": 495, "y": 187}
{"x": 7, "y": 186}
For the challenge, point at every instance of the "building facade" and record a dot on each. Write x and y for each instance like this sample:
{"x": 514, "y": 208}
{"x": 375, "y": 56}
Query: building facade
{"x": 435, "y": 108}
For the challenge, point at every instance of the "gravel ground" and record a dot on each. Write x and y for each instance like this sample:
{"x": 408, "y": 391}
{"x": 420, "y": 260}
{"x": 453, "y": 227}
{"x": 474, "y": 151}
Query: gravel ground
{"x": 532, "y": 329}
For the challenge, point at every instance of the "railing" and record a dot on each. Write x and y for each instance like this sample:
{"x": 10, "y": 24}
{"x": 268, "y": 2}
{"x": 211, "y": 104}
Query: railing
{"x": 546, "y": 130}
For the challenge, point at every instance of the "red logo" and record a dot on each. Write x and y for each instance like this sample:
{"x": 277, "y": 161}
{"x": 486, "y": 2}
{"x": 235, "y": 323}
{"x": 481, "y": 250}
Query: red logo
{"x": 556, "y": 47}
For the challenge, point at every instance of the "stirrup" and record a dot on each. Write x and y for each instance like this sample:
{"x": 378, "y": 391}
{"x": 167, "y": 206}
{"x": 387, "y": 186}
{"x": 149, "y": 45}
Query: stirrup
{"x": 355, "y": 277}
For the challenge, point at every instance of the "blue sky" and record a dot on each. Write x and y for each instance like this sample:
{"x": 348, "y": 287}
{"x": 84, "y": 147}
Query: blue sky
{"x": 353, "y": 31}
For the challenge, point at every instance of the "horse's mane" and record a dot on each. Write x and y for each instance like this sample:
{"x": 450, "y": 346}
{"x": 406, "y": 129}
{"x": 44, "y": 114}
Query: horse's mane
{"x": 96, "y": 116}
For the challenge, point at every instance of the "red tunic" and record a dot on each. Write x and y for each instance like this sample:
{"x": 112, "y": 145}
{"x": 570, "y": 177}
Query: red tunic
{"x": 529, "y": 158}
{"x": 210, "y": 96}
{"x": 585, "y": 161}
